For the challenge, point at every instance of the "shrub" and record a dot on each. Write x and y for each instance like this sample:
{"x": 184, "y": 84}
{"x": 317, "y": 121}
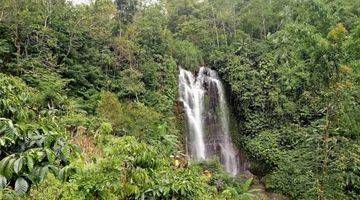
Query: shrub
{"x": 128, "y": 118}
{"x": 14, "y": 98}
{"x": 54, "y": 189}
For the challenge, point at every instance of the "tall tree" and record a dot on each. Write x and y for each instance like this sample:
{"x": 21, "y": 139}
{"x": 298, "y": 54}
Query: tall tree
{"x": 127, "y": 9}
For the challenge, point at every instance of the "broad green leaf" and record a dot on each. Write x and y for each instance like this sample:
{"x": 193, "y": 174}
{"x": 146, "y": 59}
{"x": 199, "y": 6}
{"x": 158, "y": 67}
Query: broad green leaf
{"x": 12, "y": 127}
{"x": 21, "y": 185}
{"x": 30, "y": 162}
{"x": 18, "y": 164}
{"x": 4, "y": 163}
{"x": 3, "y": 182}
{"x": 9, "y": 169}
{"x": 54, "y": 169}
{"x": 50, "y": 155}
{"x": 40, "y": 156}
{"x": 66, "y": 171}
{"x": 43, "y": 172}
{"x": 66, "y": 151}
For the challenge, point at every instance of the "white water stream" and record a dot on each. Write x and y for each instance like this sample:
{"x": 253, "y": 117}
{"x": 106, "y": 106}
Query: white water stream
{"x": 204, "y": 102}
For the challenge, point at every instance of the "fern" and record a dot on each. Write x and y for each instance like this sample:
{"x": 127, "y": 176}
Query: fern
{"x": 246, "y": 186}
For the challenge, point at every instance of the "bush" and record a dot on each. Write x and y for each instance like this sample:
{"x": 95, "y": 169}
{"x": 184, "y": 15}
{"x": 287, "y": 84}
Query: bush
{"x": 128, "y": 118}
{"x": 14, "y": 98}
{"x": 54, "y": 189}
{"x": 129, "y": 170}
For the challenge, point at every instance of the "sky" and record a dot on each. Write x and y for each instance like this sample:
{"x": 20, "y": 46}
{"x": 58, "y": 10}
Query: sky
{"x": 80, "y": 1}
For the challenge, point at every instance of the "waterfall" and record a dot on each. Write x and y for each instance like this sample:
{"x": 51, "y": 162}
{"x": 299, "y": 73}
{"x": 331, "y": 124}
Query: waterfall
{"x": 192, "y": 95}
{"x": 204, "y": 102}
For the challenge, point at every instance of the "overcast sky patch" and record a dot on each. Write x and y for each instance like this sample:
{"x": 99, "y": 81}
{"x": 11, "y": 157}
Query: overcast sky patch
{"x": 80, "y": 1}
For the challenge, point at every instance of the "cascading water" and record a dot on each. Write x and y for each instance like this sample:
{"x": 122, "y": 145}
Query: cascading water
{"x": 192, "y": 95}
{"x": 207, "y": 114}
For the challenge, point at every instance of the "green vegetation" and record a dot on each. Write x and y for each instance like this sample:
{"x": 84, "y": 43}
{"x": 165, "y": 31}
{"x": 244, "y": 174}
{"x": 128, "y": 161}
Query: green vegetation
{"x": 88, "y": 97}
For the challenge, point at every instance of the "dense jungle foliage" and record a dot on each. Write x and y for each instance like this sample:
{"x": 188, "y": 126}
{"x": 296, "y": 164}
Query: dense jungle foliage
{"x": 88, "y": 97}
